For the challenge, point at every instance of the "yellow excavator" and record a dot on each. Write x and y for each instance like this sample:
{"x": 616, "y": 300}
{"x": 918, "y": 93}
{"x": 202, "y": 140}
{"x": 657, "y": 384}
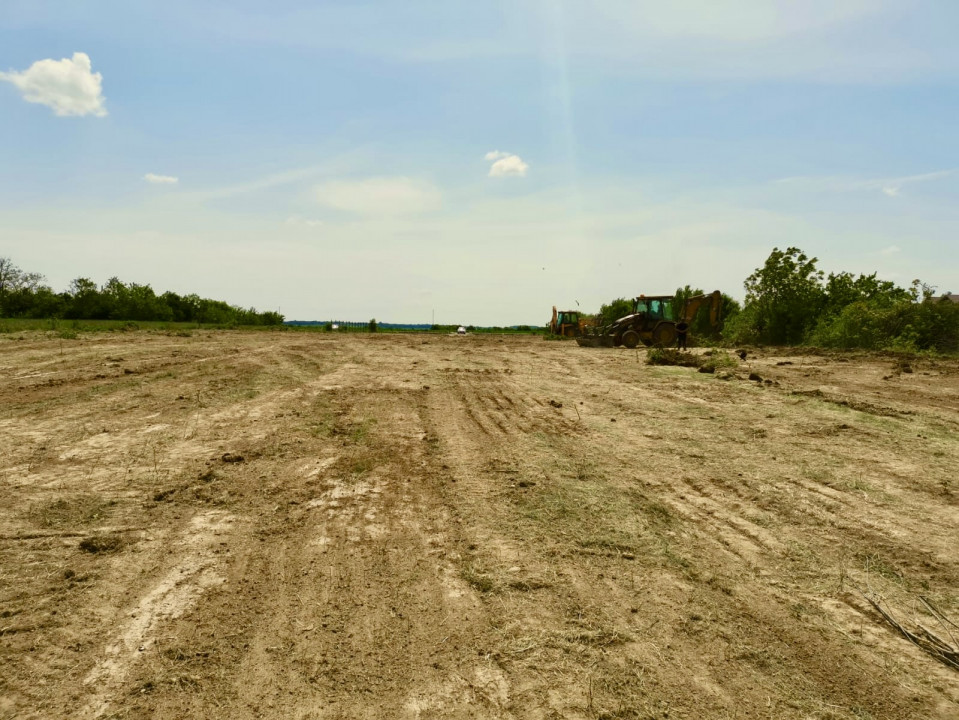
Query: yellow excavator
{"x": 569, "y": 323}
{"x": 654, "y": 321}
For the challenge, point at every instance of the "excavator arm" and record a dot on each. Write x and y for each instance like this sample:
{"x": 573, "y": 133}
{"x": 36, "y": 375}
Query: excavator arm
{"x": 715, "y": 301}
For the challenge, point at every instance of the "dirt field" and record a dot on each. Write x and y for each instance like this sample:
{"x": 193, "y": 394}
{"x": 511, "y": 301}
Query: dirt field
{"x": 291, "y": 525}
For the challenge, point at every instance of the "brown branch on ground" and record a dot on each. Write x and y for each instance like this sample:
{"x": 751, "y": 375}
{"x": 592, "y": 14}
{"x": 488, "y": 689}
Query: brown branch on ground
{"x": 922, "y": 637}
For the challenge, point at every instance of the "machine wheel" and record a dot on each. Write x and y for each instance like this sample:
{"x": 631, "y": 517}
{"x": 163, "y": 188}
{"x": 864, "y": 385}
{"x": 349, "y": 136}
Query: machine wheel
{"x": 617, "y": 340}
{"x": 664, "y": 335}
{"x": 630, "y": 339}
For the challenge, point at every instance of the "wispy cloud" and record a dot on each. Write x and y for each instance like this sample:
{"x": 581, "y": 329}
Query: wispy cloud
{"x": 267, "y": 182}
{"x": 302, "y": 222}
{"x": 68, "y": 86}
{"x": 380, "y": 196}
{"x": 891, "y": 250}
{"x": 161, "y": 179}
{"x": 891, "y": 187}
{"x": 506, "y": 164}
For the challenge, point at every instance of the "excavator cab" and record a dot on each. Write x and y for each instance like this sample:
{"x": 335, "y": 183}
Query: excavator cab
{"x": 566, "y": 323}
{"x": 568, "y": 317}
{"x": 655, "y": 308}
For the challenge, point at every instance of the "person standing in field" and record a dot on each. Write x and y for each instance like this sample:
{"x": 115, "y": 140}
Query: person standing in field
{"x": 681, "y": 330}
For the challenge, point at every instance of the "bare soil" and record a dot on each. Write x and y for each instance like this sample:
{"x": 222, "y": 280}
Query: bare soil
{"x": 292, "y": 525}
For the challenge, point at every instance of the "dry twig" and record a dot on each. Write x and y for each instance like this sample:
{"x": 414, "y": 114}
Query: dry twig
{"x": 923, "y": 638}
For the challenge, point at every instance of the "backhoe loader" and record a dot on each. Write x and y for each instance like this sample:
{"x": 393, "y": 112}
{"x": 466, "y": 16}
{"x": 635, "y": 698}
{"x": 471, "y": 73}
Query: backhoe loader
{"x": 569, "y": 323}
{"x": 653, "y": 321}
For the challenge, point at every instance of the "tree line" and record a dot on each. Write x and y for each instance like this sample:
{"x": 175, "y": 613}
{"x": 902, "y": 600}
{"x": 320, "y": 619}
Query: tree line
{"x": 27, "y": 295}
{"x": 790, "y": 301}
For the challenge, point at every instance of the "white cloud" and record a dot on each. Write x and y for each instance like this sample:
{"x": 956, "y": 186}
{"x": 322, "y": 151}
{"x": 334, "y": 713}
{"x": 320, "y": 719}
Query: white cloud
{"x": 161, "y": 179}
{"x": 506, "y": 164}
{"x": 300, "y": 221}
{"x": 68, "y": 85}
{"x": 891, "y": 250}
{"x": 890, "y": 187}
{"x": 268, "y": 182}
{"x": 380, "y": 196}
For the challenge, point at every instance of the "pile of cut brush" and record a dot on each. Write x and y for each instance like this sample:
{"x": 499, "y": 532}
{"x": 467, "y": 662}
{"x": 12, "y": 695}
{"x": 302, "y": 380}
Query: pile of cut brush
{"x": 708, "y": 362}
{"x": 945, "y": 651}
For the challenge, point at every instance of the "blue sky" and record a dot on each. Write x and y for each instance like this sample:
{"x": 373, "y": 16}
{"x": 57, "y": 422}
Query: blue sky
{"x": 480, "y": 160}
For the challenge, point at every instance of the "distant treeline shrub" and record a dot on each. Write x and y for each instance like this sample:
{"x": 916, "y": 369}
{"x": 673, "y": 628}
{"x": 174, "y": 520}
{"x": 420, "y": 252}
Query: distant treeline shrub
{"x": 26, "y": 295}
{"x": 789, "y": 301}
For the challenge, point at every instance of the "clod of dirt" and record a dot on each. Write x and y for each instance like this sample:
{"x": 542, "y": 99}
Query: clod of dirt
{"x": 526, "y": 483}
{"x": 128, "y": 371}
{"x": 102, "y": 544}
{"x": 556, "y": 404}
{"x": 69, "y": 574}
{"x": 231, "y": 458}
{"x": 162, "y": 495}
{"x": 707, "y": 369}
{"x": 755, "y": 376}
{"x": 210, "y": 476}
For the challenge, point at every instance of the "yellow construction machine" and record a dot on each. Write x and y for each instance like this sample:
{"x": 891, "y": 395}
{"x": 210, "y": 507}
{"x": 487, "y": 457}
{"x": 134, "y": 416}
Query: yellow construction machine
{"x": 654, "y": 321}
{"x": 569, "y": 323}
